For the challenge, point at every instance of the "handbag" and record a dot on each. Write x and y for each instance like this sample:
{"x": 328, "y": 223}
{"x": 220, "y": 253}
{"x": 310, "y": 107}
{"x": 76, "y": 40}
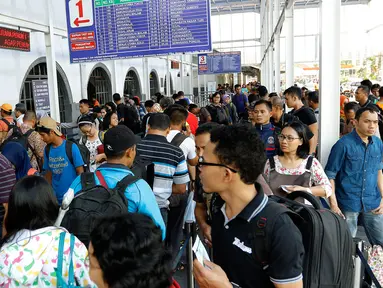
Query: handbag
{"x": 61, "y": 283}
{"x": 375, "y": 261}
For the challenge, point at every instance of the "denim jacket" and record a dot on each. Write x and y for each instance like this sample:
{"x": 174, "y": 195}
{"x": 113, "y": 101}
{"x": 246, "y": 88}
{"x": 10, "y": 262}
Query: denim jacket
{"x": 355, "y": 165}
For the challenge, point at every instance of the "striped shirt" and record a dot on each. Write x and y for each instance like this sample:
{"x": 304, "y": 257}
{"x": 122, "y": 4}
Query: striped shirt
{"x": 7, "y": 178}
{"x": 169, "y": 166}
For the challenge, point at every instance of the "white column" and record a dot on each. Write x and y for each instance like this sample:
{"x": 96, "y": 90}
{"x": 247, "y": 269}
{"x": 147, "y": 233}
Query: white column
{"x": 289, "y": 24}
{"x": 262, "y": 39}
{"x": 277, "y": 50}
{"x": 182, "y": 73}
{"x": 191, "y": 79}
{"x": 271, "y": 52}
{"x": 167, "y": 77}
{"x": 205, "y": 85}
{"x": 51, "y": 66}
{"x": 198, "y": 85}
{"x": 84, "y": 81}
{"x": 329, "y": 76}
{"x": 266, "y": 41}
{"x": 146, "y": 79}
{"x": 114, "y": 78}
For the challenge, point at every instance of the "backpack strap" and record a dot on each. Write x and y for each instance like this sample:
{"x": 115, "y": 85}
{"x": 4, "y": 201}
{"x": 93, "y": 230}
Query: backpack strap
{"x": 28, "y": 133}
{"x": 125, "y": 183}
{"x": 69, "y": 151}
{"x": 6, "y": 122}
{"x": 59, "y": 271}
{"x": 309, "y": 163}
{"x": 47, "y": 150}
{"x": 87, "y": 181}
{"x": 263, "y": 225}
{"x": 178, "y": 139}
{"x": 72, "y": 282}
{"x": 101, "y": 179}
{"x": 272, "y": 163}
{"x": 101, "y": 136}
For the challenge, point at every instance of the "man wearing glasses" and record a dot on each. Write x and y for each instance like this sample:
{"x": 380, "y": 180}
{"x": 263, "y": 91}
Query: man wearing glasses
{"x": 230, "y": 166}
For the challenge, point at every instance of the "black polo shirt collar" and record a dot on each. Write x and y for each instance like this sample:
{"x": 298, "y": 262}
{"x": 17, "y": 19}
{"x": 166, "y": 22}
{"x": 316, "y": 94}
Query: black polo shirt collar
{"x": 252, "y": 209}
{"x": 154, "y": 137}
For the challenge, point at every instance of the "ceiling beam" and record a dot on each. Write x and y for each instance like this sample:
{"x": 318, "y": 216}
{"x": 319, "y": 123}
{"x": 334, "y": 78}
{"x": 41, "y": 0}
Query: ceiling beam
{"x": 222, "y": 8}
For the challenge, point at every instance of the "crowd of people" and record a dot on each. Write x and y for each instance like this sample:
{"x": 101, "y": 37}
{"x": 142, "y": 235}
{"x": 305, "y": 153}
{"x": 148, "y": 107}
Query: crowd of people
{"x": 134, "y": 165}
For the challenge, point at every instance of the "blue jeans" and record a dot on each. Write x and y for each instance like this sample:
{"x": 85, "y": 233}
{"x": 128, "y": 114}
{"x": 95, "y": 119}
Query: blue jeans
{"x": 372, "y": 223}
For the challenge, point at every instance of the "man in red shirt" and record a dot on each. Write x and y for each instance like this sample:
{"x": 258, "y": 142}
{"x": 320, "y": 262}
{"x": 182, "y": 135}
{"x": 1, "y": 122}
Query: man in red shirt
{"x": 192, "y": 120}
{"x": 6, "y": 121}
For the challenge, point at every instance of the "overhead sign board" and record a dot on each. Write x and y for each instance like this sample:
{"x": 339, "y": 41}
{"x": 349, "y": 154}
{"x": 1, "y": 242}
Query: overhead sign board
{"x": 15, "y": 39}
{"x": 111, "y": 29}
{"x": 40, "y": 90}
{"x": 219, "y": 63}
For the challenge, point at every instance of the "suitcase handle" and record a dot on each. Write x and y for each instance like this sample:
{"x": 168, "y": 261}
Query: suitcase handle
{"x": 307, "y": 196}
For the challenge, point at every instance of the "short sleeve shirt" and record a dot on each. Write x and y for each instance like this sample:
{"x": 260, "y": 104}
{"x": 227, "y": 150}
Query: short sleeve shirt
{"x": 7, "y": 179}
{"x": 120, "y": 111}
{"x": 4, "y": 126}
{"x": 306, "y": 115}
{"x": 204, "y": 115}
{"x": 92, "y": 147}
{"x": 233, "y": 246}
{"x": 187, "y": 146}
{"x": 240, "y": 101}
{"x": 63, "y": 171}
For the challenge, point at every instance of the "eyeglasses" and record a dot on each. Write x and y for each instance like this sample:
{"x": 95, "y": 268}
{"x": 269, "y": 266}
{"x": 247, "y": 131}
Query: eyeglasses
{"x": 282, "y": 137}
{"x": 203, "y": 163}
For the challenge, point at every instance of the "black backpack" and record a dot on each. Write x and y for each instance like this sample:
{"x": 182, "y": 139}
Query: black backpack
{"x": 85, "y": 154}
{"x": 327, "y": 240}
{"x": 18, "y": 137}
{"x": 94, "y": 201}
{"x": 218, "y": 114}
{"x": 178, "y": 139}
{"x": 176, "y": 199}
{"x": 144, "y": 169}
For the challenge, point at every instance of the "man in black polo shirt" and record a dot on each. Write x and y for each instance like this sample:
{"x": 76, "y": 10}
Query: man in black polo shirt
{"x": 230, "y": 166}
{"x": 305, "y": 114}
{"x": 120, "y": 107}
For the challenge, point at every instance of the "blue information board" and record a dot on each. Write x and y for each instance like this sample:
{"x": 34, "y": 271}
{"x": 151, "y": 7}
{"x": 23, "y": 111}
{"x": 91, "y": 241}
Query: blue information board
{"x": 219, "y": 63}
{"x": 111, "y": 29}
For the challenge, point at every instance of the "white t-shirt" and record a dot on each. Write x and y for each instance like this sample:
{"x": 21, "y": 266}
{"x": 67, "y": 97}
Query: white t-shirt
{"x": 92, "y": 147}
{"x": 188, "y": 146}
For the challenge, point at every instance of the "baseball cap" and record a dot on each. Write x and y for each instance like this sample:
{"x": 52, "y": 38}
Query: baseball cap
{"x": 49, "y": 123}
{"x": 118, "y": 139}
{"x": 6, "y": 107}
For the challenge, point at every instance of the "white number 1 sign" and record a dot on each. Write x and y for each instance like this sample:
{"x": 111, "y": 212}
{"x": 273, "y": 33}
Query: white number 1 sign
{"x": 81, "y": 13}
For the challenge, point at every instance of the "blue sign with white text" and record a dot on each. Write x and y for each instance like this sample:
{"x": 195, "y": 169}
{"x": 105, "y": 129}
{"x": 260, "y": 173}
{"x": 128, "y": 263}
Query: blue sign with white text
{"x": 111, "y": 29}
{"x": 219, "y": 63}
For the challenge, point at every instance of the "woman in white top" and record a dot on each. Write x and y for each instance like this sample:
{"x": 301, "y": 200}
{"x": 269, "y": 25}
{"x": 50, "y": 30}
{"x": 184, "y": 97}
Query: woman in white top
{"x": 294, "y": 169}
{"x": 34, "y": 253}
{"x": 93, "y": 140}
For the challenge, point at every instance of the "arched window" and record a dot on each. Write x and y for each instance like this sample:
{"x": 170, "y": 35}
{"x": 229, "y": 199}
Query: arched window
{"x": 132, "y": 84}
{"x": 40, "y": 72}
{"x": 99, "y": 85}
{"x": 154, "y": 87}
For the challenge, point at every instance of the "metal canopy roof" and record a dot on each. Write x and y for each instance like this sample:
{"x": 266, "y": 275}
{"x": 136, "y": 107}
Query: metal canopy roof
{"x": 219, "y": 7}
